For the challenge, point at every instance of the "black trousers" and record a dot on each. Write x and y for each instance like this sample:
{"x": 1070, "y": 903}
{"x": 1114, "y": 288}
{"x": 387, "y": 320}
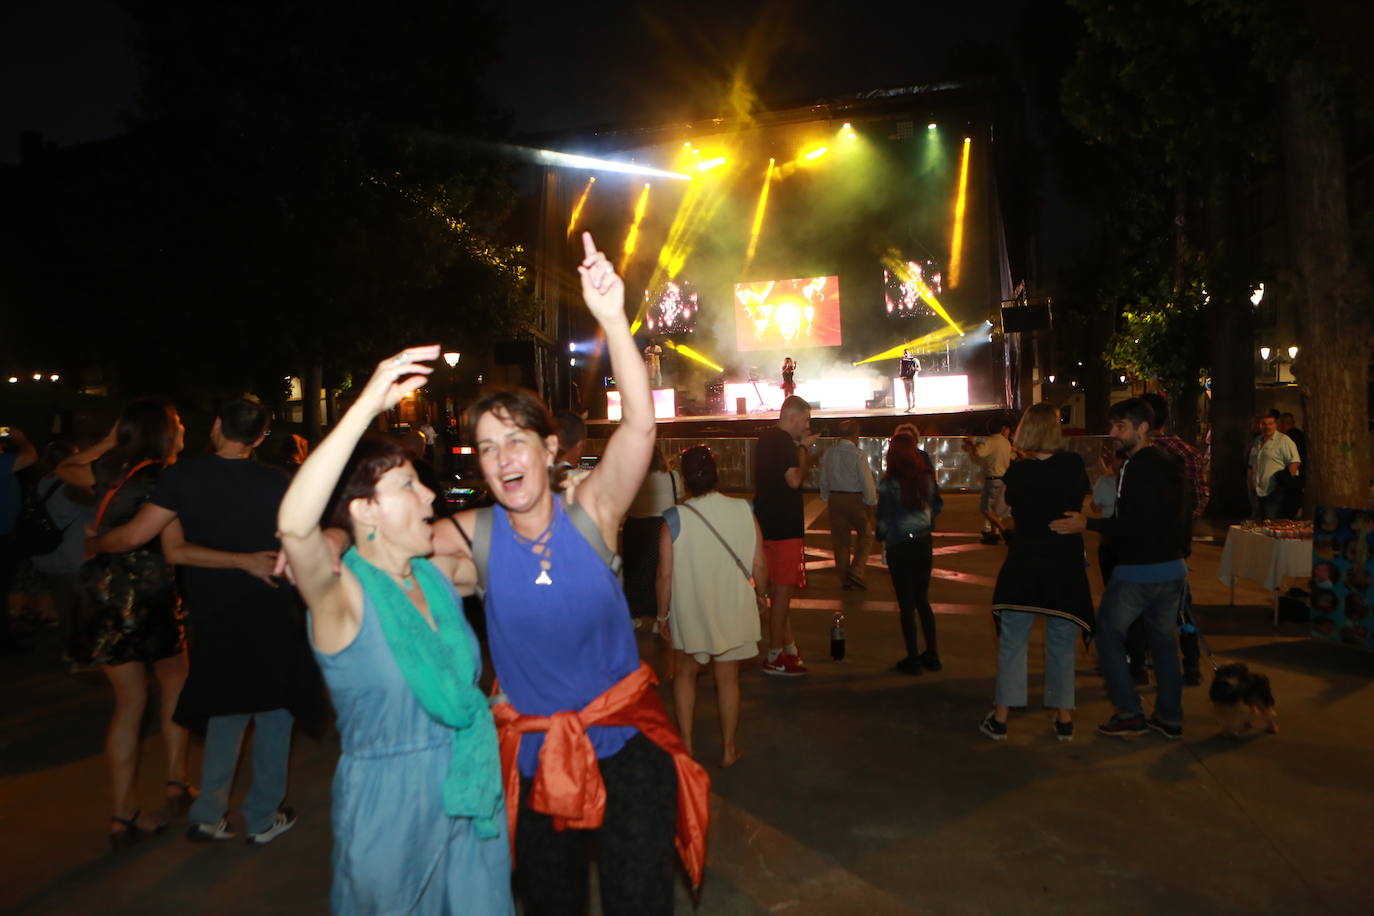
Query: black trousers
{"x": 909, "y": 563}
{"x": 634, "y": 845}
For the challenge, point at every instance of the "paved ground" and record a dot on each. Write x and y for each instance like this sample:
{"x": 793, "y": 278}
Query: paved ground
{"x": 862, "y": 790}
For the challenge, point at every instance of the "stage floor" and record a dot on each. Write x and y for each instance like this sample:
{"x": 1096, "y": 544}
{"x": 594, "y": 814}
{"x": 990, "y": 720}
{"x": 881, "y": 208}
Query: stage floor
{"x": 966, "y": 420}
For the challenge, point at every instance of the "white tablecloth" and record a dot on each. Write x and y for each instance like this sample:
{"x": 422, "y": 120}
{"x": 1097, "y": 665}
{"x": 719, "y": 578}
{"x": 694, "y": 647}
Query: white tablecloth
{"x": 1260, "y": 558}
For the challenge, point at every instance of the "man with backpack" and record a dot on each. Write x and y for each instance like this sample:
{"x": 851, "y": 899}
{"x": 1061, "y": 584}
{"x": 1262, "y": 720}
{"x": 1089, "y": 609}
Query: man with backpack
{"x": 16, "y": 454}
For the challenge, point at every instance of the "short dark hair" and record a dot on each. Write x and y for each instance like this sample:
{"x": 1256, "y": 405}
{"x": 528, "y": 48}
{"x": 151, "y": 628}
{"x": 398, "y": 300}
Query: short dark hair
{"x": 521, "y": 406}
{"x": 794, "y": 404}
{"x": 699, "y": 473}
{"x": 1160, "y": 408}
{"x": 572, "y": 429}
{"x": 999, "y": 423}
{"x": 244, "y": 419}
{"x": 1133, "y": 410}
{"x": 847, "y": 428}
{"x": 372, "y": 457}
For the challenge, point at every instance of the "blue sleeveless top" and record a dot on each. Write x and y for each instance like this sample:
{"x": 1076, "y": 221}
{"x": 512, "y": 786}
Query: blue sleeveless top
{"x": 559, "y": 646}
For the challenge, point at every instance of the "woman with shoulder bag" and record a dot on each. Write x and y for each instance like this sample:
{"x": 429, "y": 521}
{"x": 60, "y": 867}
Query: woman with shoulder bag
{"x": 708, "y": 611}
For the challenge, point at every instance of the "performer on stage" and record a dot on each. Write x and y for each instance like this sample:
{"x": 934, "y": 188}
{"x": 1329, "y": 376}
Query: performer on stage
{"x": 789, "y": 387}
{"x": 653, "y": 362}
{"x": 910, "y": 367}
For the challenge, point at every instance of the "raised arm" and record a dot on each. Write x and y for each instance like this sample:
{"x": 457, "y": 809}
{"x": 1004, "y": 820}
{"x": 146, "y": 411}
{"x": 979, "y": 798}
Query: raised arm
{"x": 76, "y": 469}
{"x": 176, "y": 550}
{"x": 335, "y": 610}
{"x": 27, "y": 455}
{"x": 610, "y": 488}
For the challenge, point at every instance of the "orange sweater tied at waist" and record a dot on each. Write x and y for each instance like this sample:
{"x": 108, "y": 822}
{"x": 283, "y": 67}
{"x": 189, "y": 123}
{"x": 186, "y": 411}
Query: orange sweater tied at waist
{"x": 567, "y": 783}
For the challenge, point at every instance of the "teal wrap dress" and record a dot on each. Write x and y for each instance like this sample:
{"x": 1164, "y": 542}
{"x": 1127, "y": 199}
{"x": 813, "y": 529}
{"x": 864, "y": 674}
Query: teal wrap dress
{"x": 395, "y": 850}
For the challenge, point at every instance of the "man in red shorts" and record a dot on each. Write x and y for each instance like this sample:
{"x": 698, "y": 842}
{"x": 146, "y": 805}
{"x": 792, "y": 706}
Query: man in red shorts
{"x": 781, "y": 459}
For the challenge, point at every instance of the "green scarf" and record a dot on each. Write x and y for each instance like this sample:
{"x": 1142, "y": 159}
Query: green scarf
{"x": 442, "y": 670}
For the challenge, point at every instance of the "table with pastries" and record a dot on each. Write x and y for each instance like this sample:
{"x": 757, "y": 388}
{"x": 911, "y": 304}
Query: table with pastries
{"x": 1267, "y": 553}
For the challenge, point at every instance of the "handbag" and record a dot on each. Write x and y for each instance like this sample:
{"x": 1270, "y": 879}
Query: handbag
{"x": 35, "y": 533}
{"x": 734, "y": 556}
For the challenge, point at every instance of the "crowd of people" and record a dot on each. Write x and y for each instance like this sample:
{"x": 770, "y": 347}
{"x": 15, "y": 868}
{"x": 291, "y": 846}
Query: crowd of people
{"x": 459, "y": 793}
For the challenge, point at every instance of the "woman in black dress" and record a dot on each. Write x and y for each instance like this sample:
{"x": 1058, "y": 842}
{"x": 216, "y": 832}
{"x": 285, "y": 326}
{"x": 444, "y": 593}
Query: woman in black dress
{"x": 1044, "y": 573}
{"x": 129, "y": 612}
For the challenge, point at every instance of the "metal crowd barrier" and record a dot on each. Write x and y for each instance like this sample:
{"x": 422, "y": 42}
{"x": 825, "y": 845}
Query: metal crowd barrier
{"x": 955, "y": 469}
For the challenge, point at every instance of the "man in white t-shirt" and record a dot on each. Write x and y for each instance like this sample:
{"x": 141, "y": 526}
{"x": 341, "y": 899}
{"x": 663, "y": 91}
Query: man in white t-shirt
{"x": 653, "y": 361}
{"x": 994, "y": 455}
{"x": 1270, "y": 453}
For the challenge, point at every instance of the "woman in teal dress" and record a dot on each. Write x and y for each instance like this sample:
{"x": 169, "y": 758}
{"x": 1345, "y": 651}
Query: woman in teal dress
{"x": 418, "y": 812}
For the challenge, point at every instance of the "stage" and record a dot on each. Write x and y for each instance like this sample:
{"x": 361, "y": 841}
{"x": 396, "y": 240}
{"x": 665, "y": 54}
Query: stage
{"x": 968, "y": 420}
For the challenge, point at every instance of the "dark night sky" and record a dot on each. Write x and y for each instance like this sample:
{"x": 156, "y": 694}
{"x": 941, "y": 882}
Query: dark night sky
{"x": 66, "y": 67}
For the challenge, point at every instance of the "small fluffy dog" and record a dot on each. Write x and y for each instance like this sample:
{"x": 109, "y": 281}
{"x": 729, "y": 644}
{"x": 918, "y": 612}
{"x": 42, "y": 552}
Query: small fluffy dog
{"x": 1243, "y": 700}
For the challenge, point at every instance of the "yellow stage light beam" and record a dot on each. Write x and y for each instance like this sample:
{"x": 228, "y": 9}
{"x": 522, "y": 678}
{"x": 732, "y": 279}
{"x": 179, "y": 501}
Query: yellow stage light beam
{"x": 581, "y": 202}
{"x": 692, "y": 355}
{"x": 758, "y": 216}
{"x": 708, "y": 164}
{"x": 632, "y": 237}
{"x": 813, "y": 155}
{"x": 924, "y": 344}
{"x": 956, "y": 244}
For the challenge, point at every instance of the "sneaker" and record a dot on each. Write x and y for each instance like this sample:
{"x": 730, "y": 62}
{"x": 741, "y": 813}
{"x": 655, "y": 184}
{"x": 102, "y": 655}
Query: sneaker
{"x": 989, "y": 537}
{"x": 206, "y": 833}
{"x": 1172, "y": 732}
{"x": 930, "y": 661}
{"x": 1119, "y": 726}
{"x": 1192, "y": 678}
{"x": 283, "y": 821}
{"x": 1063, "y": 731}
{"x": 995, "y": 730}
{"x": 785, "y": 666}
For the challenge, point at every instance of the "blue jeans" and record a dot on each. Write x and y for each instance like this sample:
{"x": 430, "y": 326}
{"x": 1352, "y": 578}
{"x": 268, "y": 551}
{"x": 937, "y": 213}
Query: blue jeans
{"x": 1157, "y": 603}
{"x": 1011, "y": 659}
{"x": 271, "y": 754}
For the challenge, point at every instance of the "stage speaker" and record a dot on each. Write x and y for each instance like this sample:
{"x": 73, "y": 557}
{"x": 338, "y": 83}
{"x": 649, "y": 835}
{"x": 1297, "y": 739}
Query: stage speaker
{"x": 1020, "y": 318}
{"x": 715, "y": 397}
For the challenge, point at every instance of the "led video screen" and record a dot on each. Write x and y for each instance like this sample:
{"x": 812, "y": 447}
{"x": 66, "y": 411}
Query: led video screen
{"x": 907, "y": 286}
{"x": 788, "y": 314}
{"x": 673, "y": 310}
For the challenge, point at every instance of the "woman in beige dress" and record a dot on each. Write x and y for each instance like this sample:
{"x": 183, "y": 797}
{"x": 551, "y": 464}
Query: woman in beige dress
{"x": 712, "y": 587}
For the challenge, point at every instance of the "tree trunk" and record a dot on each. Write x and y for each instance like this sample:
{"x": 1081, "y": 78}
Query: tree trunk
{"x": 311, "y": 385}
{"x": 1231, "y": 333}
{"x": 1336, "y": 328}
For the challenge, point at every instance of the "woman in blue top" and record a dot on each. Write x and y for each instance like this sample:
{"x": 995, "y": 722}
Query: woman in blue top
{"x": 908, "y": 502}
{"x": 418, "y": 812}
{"x": 560, "y": 631}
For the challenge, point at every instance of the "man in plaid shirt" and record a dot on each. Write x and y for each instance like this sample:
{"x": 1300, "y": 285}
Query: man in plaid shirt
{"x": 1197, "y": 494}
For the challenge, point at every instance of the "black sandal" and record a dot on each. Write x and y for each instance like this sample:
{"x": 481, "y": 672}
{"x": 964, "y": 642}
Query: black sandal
{"x": 132, "y": 833}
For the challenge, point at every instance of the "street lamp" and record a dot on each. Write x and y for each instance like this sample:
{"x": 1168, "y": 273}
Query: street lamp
{"x": 1292, "y": 352}
{"x": 1264, "y": 353}
{"x": 452, "y": 357}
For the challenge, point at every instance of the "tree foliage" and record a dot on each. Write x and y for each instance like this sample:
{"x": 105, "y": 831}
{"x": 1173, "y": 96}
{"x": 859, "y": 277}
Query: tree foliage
{"x": 300, "y": 186}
